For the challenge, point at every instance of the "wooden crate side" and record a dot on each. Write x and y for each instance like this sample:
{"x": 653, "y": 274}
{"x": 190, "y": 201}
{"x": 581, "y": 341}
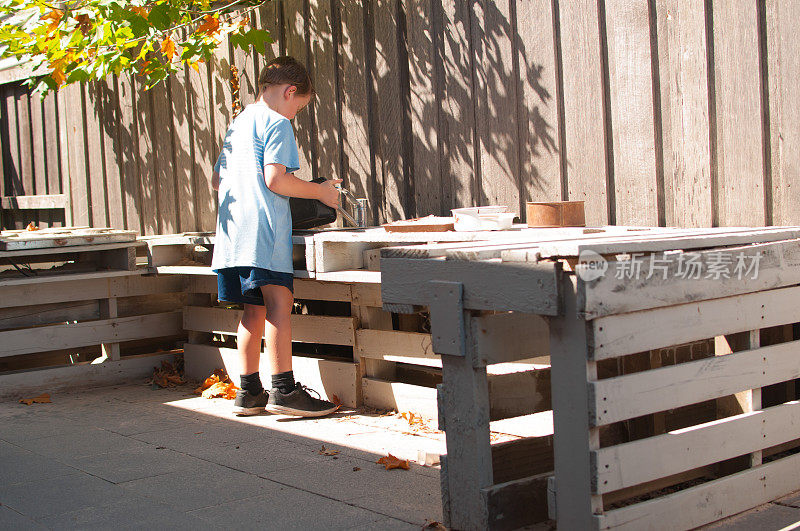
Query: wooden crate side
{"x": 522, "y": 458}
{"x": 632, "y": 463}
{"x": 710, "y": 501}
{"x": 618, "y": 335}
{"x": 398, "y": 396}
{"x": 393, "y": 345}
{"x": 516, "y": 503}
{"x": 634, "y": 395}
{"x": 54, "y": 337}
{"x": 305, "y": 328}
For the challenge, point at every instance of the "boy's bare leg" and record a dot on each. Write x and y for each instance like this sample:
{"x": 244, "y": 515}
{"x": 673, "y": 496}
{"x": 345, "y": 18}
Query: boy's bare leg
{"x": 251, "y": 330}
{"x": 278, "y": 302}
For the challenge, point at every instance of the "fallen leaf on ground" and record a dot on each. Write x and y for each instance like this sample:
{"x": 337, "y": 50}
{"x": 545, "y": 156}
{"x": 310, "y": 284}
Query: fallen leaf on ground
{"x": 356, "y": 469}
{"x": 390, "y": 462}
{"x": 31, "y": 226}
{"x": 335, "y": 400}
{"x": 433, "y": 524}
{"x": 168, "y": 375}
{"x": 326, "y": 451}
{"x": 41, "y": 399}
{"x": 224, "y": 390}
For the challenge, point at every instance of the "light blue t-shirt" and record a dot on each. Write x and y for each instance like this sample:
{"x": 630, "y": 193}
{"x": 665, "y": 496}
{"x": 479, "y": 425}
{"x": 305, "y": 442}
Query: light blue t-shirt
{"x": 254, "y": 225}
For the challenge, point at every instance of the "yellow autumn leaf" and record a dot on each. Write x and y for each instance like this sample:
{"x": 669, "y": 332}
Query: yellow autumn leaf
{"x": 168, "y": 47}
{"x": 41, "y": 399}
{"x": 390, "y": 462}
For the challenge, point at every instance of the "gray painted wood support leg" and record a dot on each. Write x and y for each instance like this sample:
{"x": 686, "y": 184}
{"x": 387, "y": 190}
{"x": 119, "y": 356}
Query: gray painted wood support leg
{"x": 573, "y": 438}
{"x": 108, "y": 310}
{"x": 465, "y": 403}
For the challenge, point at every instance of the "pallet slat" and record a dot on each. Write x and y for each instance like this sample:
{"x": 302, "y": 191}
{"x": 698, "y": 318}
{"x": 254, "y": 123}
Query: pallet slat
{"x": 632, "y": 463}
{"x": 634, "y": 395}
{"x": 56, "y": 337}
{"x": 305, "y": 328}
{"x": 710, "y": 501}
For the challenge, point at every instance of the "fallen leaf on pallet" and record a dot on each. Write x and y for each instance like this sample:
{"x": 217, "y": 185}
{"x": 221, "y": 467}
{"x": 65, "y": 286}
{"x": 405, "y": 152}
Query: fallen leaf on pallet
{"x": 356, "y": 469}
{"x": 433, "y": 524}
{"x": 326, "y": 451}
{"x": 390, "y": 462}
{"x": 216, "y": 377}
{"x": 41, "y": 399}
{"x": 31, "y": 226}
{"x": 413, "y": 418}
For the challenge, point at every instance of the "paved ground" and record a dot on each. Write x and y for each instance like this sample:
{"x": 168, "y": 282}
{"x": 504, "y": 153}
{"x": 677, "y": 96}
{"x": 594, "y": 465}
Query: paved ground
{"x": 133, "y": 457}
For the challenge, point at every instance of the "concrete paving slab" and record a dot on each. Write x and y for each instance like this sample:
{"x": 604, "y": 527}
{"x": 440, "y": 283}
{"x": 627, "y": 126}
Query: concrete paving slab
{"x": 386, "y": 524}
{"x": 119, "y": 466}
{"x": 199, "y": 436}
{"x": 79, "y": 443}
{"x": 36, "y": 425}
{"x": 767, "y": 517}
{"x": 792, "y": 500}
{"x": 59, "y": 495}
{"x": 206, "y": 485}
{"x": 10, "y": 519}
{"x": 401, "y": 494}
{"x": 20, "y": 465}
{"x": 134, "y": 512}
{"x": 286, "y": 508}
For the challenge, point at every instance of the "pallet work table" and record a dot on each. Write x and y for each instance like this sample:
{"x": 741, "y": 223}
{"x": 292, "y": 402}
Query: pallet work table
{"x": 672, "y": 379}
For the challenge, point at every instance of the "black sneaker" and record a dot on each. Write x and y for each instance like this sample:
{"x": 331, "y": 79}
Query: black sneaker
{"x": 246, "y": 404}
{"x": 299, "y": 402}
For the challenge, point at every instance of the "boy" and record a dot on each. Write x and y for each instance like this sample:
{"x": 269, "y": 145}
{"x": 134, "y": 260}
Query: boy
{"x": 253, "y": 247}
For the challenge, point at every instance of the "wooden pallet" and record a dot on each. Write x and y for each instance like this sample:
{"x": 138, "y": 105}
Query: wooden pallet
{"x": 24, "y": 240}
{"x": 696, "y": 372}
{"x": 71, "y": 323}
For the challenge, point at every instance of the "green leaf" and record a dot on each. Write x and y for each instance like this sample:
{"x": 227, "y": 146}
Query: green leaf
{"x": 159, "y": 17}
{"x": 257, "y": 38}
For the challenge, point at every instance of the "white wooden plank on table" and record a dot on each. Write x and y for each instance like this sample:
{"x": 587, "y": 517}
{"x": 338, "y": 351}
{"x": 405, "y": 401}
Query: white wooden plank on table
{"x": 68, "y": 249}
{"x": 642, "y": 393}
{"x": 487, "y": 286}
{"x": 62, "y": 336}
{"x": 708, "y": 502}
{"x": 29, "y": 240}
{"x": 618, "y": 335}
{"x": 609, "y": 295}
{"x": 632, "y": 463}
{"x": 305, "y": 328}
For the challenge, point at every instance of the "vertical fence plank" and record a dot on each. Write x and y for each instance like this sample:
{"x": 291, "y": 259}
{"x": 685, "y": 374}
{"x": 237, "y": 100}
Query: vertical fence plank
{"x": 739, "y": 134}
{"x": 203, "y": 150}
{"x": 684, "y": 108}
{"x": 72, "y": 97}
{"x": 496, "y": 94}
{"x": 426, "y": 172}
{"x": 22, "y": 101}
{"x": 181, "y": 125}
{"x": 633, "y": 129}
{"x": 296, "y": 46}
{"x": 127, "y": 140}
{"x": 110, "y": 124}
{"x": 164, "y": 162}
{"x": 387, "y": 92}
{"x": 584, "y": 123}
{"x": 540, "y": 164}
{"x": 39, "y": 157}
{"x": 146, "y": 159}
{"x": 52, "y": 166}
{"x": 8, "y": 130}
{"x": 326, "y": 102}
{"x": 784, "y": 97}
{"x": 95, "y": 174}
{"x": 355, "y": 126}
{"x": 221, "y": 95}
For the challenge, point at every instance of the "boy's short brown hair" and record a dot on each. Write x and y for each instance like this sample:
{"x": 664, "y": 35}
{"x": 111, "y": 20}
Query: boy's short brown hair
{"x": 286, "y": 69}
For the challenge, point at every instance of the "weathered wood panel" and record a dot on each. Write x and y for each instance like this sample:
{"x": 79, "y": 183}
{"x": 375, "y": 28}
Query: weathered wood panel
{"x": 668, "y": 112}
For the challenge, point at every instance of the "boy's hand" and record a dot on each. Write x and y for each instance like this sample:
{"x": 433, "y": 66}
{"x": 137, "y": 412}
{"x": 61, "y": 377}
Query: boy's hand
{"x": 329, "y": 194}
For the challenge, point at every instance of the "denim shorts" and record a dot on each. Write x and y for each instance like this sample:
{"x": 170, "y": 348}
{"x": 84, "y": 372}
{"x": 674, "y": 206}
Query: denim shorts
{"x": 243, "y": 284}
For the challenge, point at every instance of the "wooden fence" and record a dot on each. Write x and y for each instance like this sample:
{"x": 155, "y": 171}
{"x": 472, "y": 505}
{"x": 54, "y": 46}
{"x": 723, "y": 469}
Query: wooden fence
{"x": 655, "y": 112}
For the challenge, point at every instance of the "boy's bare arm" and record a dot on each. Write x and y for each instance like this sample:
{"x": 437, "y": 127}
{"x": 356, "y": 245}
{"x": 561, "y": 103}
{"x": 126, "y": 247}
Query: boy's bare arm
{"x": 283, "y": 183}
